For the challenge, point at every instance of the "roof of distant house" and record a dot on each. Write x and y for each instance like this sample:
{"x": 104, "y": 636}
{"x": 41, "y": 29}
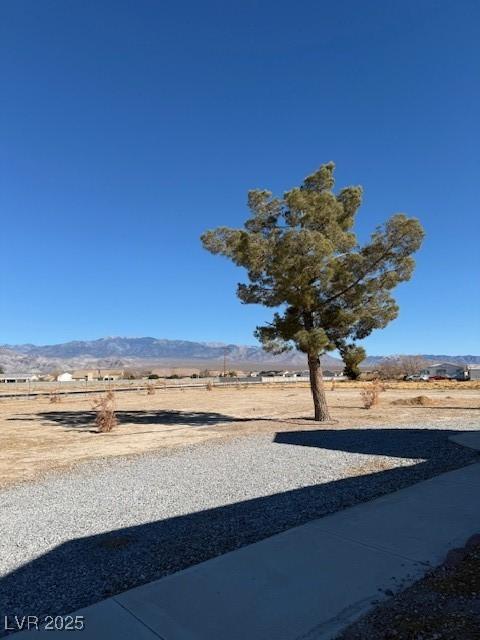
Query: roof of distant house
{"x": 17, "y": 375}
{"x": 439, "y": 364}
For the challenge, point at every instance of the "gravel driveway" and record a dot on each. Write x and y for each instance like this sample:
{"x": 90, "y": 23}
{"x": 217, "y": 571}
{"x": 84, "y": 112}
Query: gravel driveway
{"x": 73, "y": 539}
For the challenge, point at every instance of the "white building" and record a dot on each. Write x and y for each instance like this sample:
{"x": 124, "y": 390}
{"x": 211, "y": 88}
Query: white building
{"x": 98, "y": 374}
{"x": 445, "y": 370}
{"x": 473, "y": 371}
{"x": 65, "y": 377}
{"x": 12, "y": 378}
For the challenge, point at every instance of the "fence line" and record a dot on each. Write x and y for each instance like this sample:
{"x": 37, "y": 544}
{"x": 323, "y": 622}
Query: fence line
{"x": 39, "y": 389}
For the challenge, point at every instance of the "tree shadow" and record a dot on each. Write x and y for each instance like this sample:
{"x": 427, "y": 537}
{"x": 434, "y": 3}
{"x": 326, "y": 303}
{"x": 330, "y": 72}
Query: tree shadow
{"x": 395, "y": 442}
{"x": 80, "y": 419}
{"x": 84, "y": 570}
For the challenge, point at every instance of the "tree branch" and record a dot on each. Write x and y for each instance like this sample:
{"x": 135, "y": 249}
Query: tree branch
{"x": 366, "y": 273}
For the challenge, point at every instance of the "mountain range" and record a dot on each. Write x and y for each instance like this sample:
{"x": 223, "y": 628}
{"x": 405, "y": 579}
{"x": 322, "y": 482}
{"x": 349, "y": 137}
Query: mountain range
{"x": 121, "y": 352}
{"x": 147, "y": 352}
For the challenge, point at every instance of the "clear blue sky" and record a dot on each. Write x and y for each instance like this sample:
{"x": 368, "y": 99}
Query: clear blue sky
{"x": 129, "y": 127}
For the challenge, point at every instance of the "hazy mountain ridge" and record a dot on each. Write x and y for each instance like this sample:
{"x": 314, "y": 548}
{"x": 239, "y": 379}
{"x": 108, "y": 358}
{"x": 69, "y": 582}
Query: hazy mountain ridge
{"x": 151, "y": 348}
{"x": 122, "y": 352}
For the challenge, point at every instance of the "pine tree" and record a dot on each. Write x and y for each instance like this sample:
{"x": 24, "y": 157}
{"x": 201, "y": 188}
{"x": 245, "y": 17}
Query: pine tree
{"x": 302, "y": 257}
{"x": 352, "y": 356}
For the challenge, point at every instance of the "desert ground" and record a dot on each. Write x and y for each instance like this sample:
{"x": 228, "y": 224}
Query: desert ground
{"x": 191, "y": 474}
{"x": 38, "y": 436}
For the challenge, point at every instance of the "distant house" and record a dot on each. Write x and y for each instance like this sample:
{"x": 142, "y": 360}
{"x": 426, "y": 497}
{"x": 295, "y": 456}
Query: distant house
{"x": 12, "y": 378}
{"x": 86, "y": 374}
{"x": 111, "y": 374}
{"x": 65, "y": 377}
{"x": 445, "y": 370}
{"x": 181, "y": 372}
{"x": 273, "y": 374}
{"x": 473, "y": 371}
{"x": 98, "y": 374}
{"x": 328, "y": 373}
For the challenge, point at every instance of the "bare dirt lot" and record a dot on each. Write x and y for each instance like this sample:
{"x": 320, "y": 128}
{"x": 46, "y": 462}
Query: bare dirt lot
{"x": 189, "y": 475}
{"x": 37, "y": 436}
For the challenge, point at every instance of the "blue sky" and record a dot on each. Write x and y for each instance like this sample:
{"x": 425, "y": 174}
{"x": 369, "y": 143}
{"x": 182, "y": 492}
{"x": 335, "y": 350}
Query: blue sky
{"x": 129, "y": 127}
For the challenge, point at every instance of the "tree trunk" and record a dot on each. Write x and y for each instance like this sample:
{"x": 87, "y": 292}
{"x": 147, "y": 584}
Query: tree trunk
{"x": 318, "y": 389}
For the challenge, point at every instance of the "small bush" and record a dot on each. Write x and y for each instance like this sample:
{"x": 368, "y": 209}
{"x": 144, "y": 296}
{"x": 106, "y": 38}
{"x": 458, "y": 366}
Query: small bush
{"x": 209, "y": 386}
{"x": 371, "y": 394}
{"x": 54, "y": 397}
{"x": 105, "y": 419}
{"x": 150, "y": 389}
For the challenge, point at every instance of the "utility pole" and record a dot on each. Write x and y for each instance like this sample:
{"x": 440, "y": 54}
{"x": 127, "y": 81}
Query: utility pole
{"x": 224, "y": 362}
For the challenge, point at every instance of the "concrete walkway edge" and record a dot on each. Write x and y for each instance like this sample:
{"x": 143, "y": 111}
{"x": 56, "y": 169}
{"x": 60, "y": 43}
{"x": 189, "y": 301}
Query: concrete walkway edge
{"x": 307, "y": 583}
{"x": 469, "y": 439}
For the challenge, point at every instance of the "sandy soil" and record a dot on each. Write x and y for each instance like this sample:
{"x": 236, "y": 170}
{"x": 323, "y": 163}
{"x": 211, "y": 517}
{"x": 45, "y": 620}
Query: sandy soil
{"x": 37, "y": 436}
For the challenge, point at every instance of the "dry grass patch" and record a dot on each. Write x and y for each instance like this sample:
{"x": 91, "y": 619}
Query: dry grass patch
{"x": 37, "y": 436}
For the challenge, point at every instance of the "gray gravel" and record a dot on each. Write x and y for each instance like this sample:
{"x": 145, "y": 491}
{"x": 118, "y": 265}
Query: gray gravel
{"x": 76, "y": 538}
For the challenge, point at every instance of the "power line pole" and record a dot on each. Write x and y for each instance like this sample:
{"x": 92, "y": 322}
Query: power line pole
{"x": 224, "y": 362}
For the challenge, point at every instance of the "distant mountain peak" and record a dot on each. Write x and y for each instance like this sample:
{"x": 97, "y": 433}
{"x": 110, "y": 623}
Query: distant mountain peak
{"x": 148, "y": 351}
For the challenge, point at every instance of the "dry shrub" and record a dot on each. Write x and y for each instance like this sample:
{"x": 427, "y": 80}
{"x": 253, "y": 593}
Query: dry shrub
{"x": 371, "y": 393}
{"x": 209, "y": 386}
{"x": 105, "y": 419}
{"x": 332, "y": 388}
{"x": 417, "y": 401}
{"x": 54, "y": 398}
{"x": 369, "y": 397}
{"x": 150, "y": 389}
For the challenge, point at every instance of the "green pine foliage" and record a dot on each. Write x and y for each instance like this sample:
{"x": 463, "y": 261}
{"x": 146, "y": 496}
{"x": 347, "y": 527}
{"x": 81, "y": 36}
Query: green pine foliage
{"x": 352, "y": 356}
{"x": 303, "y": 258}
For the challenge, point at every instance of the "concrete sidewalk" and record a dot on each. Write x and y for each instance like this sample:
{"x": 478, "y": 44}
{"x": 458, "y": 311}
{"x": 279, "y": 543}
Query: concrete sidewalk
{"x": 307, "y": 583}
{"x": 470, "y": 439}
